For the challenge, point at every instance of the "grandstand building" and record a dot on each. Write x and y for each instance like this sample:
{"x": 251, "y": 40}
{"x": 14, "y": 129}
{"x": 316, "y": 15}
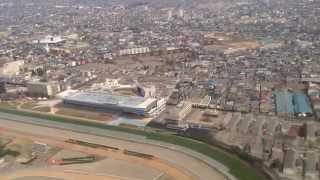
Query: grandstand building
{"x": 128, "y": 104}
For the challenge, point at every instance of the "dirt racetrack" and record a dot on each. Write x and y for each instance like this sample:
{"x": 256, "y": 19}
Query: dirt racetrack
{"x": 171, "y": 162}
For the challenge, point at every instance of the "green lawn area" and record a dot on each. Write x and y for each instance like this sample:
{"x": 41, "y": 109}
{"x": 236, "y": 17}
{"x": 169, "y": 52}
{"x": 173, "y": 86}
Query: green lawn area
{"x": 4, "y": 152}
{"x": 239, "y": 168}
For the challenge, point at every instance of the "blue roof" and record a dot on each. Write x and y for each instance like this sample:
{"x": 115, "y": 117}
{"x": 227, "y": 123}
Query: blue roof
{"x": 301, "y": 103}
{"x": 212, "y": 82}
{"x": 292, "y": 102}
{"x": 209, "y": 82}
{"x": 284, "y": 102}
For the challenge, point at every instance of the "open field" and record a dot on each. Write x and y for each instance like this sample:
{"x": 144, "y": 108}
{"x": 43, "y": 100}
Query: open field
{"x": 237, "y": 167}
{"x": 32, "y": 106}
{"x": 8, "y": 105}
{"x": 228, "y": 43}
{"x": 227, "y": 46}
{"x": 35, "y": 106}
{"x": 3, "y": 34}
{"x": 45, "y": 109}
{"x": 64, "y": 111}
{"x": 84, "y": 114}
{"x": 29, "y": 105}
{"x": 245, "y": 44}
{"x": 59, "y": 109}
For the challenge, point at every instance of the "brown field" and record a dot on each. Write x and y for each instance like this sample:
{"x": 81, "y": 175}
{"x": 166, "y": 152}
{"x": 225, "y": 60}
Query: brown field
{"x": 234, "y": 45}
{"x": 84, "y": 113}
{"x": 245, "y": 44}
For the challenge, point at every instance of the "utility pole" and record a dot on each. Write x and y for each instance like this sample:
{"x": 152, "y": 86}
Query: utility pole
{"x": 303, "y": 174}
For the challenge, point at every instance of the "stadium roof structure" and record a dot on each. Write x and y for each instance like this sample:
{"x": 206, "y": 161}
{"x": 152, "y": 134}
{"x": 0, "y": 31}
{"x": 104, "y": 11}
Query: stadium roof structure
{"x": 131, "y": 104}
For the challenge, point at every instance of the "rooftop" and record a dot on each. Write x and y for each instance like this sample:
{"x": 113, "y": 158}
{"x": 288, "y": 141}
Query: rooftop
{"x": 301, "y": 103}
{"x": 292, "y": 102}
{"x": 111, "y": 99}
{"x": 284, "y": 102}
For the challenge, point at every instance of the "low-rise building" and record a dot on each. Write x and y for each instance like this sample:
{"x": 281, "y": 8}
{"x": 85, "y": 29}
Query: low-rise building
{"x": 11, "y": 68}
{"x": 107, "y": 101}
{"x": 43, "y": 89}
{"x": 177, "y": 113}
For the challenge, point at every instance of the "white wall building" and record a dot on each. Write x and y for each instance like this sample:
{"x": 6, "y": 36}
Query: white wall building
{"x": 49, "y": 40}
{"x": 11, "y": 68}
{"x": 134, "y": 51}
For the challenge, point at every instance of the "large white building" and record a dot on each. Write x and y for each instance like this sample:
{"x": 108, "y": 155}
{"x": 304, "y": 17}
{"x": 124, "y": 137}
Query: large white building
{"x": 134, "y": 51}
{"x": 49, "y": 40}
{"x": 11, "y": 68}
{"x": 129, "y": 104}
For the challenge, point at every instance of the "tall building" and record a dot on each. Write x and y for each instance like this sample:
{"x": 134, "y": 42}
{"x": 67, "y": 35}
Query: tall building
{"x": 181, "y": 13}
{"x": 170, "y": 14}
{"x": 43, "y": 89}
{"x": 3, "y": 88}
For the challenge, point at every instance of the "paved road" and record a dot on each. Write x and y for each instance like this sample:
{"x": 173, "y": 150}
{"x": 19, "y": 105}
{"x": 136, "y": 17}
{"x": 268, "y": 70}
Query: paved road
{"x": 185, "y": 161}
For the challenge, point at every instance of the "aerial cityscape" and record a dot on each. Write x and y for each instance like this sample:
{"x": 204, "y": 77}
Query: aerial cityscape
{"x": 160, "y": 89}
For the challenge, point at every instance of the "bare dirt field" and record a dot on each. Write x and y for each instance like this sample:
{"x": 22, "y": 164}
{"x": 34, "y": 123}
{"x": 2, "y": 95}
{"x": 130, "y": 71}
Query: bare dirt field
{"x": 115, "y": 166}
{"x": 174, "y": 164}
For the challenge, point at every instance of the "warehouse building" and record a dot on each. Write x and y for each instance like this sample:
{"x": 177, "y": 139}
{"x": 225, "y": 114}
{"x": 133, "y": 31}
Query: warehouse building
{"x": 284, "y": 103}
{"x": 129, "y": 104}
{"x": 293, "y": 103}
{"x": 301, "y": 104}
